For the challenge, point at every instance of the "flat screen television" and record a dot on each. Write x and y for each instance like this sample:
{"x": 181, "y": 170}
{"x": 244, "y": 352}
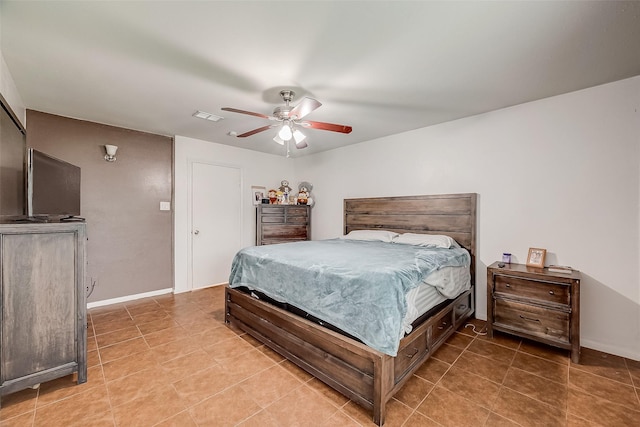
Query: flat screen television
{"x": 53, "y": 186}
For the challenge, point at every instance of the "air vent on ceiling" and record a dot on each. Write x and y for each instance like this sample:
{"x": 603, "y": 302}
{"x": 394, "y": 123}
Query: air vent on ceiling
{"x": 207, "y": 116}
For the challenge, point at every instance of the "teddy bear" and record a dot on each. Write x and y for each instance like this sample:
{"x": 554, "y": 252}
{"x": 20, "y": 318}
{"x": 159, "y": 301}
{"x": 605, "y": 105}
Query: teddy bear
{"x": 304, "y": 193}
{"x": 273, "y": 196}
{"x": 286, "y": 191}
{"x": 303, "y": 196}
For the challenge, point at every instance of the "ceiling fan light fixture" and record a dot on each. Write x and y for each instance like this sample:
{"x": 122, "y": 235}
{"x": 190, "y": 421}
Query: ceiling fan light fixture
{"x": 278, "y": 140}
{"x": 299, "y": 136}
{"x": 285, "y": 132}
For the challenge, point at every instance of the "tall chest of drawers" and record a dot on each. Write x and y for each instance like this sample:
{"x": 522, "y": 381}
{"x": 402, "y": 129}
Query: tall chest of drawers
{"x": 282, "y": 224}
{"x": 535, "y": 304}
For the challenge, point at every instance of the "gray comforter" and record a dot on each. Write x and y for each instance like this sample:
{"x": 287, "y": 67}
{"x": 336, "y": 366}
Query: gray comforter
{"x": 358, "y": 286}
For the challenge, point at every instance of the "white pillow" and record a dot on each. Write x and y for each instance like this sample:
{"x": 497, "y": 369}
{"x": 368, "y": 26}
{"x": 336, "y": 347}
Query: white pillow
{"x": 371, "y": 235}
{"x": 427, "y": 240}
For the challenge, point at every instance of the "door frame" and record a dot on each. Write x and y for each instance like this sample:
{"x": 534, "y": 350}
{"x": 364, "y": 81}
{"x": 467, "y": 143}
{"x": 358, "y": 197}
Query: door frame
{"x": 190, "y": 163}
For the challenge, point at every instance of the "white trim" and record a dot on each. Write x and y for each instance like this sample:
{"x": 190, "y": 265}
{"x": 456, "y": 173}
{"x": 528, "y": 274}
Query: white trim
{"x": 210, "y": 286}
{"x": 611, "y": 349}
{"x": 129, "y": 298}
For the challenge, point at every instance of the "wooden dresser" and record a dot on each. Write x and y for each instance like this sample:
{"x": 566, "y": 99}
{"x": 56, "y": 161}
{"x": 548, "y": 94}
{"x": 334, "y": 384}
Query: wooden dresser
{"x": 43, "y": 309}
{"x": 282, "y": 224}
{"x": 536, "y": 304}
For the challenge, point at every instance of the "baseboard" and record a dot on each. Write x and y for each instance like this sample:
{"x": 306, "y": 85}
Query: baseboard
{"x": 129, "y": 298}
{"x": 611, "y": 349}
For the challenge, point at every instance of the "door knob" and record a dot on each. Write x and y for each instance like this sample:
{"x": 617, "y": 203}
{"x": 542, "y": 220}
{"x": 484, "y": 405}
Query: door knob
{"x": 196, "y": 232}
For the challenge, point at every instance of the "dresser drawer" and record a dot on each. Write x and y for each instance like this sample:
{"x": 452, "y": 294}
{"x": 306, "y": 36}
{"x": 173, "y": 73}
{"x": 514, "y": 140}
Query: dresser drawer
{"x": 272, "y": 210}
{"x": 293, "y": 210}
{"x": 297, "y": 219}
{"x": 272, "y": 219}
{"x": 536, "y": 290}
{"x": 537, "y": 321}
{"x": 276, "y": 240}
{"x": 289, "y": 232}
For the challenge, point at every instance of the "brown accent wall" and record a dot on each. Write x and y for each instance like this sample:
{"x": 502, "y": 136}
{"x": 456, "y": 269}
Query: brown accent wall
{"x": 12, "y": 152}
{"x": 130, "y": 239}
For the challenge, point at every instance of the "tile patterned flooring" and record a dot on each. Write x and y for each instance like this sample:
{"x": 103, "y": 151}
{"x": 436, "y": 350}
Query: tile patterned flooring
{"x": 171, "y": 361}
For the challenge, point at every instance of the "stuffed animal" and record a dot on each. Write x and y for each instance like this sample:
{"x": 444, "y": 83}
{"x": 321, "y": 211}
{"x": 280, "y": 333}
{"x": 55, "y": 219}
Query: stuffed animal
{"x": 304, "y": 193}
{"x": 303, "y": 196}
{"x": 273, "y": 196}
{"x": 285, "y": 190}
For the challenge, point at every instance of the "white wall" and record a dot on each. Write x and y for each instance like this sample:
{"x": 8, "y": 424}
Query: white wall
{"x": 560, "y": 173}
{"x": 256, "y": 168}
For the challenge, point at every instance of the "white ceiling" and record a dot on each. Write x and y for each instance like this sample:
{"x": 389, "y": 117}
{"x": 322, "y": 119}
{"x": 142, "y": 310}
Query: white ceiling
{"x": 382, "y": 67}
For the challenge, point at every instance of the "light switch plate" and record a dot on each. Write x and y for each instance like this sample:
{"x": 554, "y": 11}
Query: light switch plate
{"x": 165, "y": 206}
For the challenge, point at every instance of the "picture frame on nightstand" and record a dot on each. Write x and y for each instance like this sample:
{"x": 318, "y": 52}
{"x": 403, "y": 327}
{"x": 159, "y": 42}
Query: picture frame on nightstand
{"x": 536, "y": 257}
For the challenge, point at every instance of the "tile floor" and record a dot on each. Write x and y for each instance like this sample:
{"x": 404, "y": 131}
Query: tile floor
{"x": 171, "y": 361}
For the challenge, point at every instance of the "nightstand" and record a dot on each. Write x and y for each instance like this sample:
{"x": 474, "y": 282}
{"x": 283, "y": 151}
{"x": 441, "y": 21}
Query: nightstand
{"x": 535, "y": 304}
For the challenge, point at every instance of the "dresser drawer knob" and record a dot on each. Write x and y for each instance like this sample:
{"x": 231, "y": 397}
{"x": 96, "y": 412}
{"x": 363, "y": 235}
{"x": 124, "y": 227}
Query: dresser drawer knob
{"x": 442, "y": 325}
{"x": 508, "y": 285}
{"x": 551, "y": 293}
{"x": 529, "y": 319}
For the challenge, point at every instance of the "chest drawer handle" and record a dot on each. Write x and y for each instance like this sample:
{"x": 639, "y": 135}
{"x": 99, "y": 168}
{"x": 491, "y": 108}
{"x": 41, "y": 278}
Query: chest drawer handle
{"x": 529, "y": 319}
{"x": 410, "y": 356}
{"x": 508, "y": 285}
{"x": 442, "y": 325}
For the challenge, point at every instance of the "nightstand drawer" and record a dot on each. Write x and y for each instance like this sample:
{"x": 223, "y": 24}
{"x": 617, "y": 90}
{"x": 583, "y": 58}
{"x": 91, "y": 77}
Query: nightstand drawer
{"x": 541, "y": 322}
{"x": 536, "y": 290}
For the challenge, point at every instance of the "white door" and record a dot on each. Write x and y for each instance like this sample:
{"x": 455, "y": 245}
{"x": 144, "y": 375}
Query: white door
{"x": 215, "y": 222}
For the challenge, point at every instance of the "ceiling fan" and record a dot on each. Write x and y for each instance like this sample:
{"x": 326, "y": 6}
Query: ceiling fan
{"x": 290, "y": 118}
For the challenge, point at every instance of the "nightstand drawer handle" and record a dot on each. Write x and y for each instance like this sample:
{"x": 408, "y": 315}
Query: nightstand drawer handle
{"x": 442, "y": 325}
{"x": 551, "y": 293}
{"x": 508, "y": 285}
{"x": 410, "y": 356}
{"x": 529, "y": 318}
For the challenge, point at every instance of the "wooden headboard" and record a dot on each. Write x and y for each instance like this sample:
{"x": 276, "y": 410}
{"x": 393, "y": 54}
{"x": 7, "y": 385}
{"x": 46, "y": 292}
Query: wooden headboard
{"x": 450, "y": 214}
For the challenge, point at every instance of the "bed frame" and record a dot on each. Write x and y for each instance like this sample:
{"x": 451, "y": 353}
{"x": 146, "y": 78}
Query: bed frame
{"x": 364, "y": 375}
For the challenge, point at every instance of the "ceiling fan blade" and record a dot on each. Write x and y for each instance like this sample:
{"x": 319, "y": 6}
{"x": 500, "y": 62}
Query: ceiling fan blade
{"x": 253, "y": 132}
{"x": 303, "y": 108}
{"x": 327, "y": 126}
{"x": 235, "y": 110}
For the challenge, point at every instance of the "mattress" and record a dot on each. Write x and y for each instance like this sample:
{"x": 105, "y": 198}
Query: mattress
{"x": 419, "y": 300}
{"x": 440, "y": 285}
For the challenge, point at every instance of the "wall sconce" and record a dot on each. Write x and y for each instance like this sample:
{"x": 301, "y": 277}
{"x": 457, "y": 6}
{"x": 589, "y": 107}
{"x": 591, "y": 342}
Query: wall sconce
{"x": 111, "y": 153}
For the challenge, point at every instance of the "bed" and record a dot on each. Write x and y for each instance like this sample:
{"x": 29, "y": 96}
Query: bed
{"x": 364, "y": 374}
